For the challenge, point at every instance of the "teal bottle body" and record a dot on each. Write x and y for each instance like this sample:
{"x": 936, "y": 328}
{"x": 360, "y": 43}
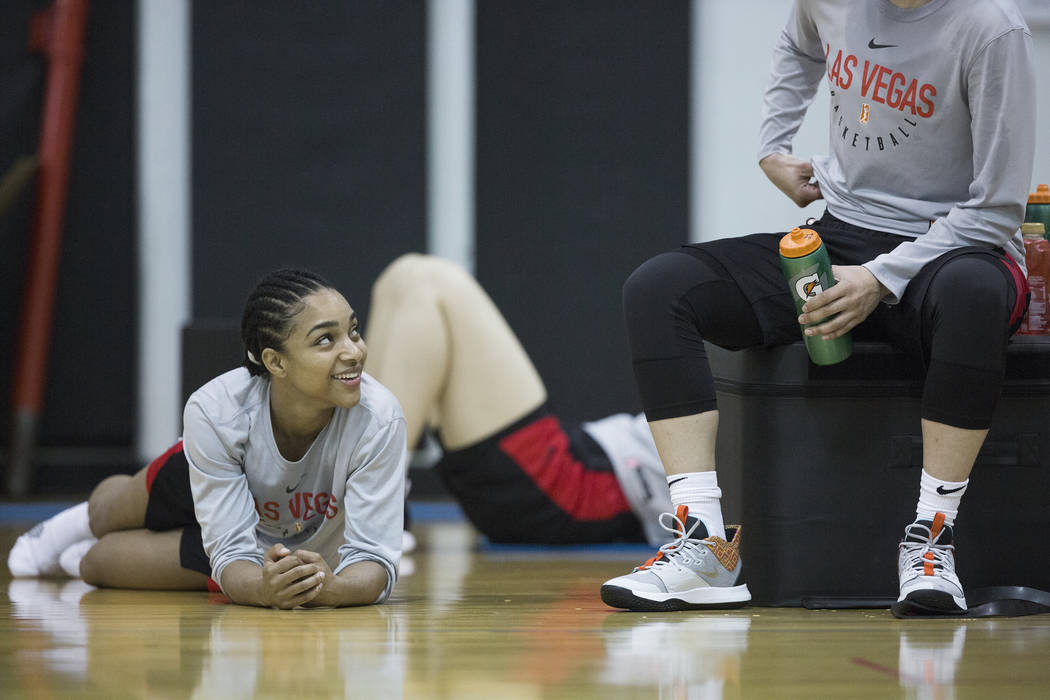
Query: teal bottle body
{"x": 1038, "y": 214}
{"x": 807, "y": 276}
{"x": 1038, "y": 209}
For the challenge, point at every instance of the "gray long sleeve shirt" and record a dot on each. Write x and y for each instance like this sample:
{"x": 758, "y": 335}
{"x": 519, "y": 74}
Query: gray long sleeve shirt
{"x": 932, "y": 121}
{"x": 344, "y": 499}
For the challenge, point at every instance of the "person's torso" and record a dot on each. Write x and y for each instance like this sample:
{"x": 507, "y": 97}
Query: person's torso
{"x": 299, "y": 502}
{"x": 900, "y": 119}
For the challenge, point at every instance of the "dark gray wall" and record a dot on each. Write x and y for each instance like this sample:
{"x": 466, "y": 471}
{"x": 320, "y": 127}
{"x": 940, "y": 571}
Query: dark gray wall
{"x": 582, "y": 174}
{"x": 308, "y": 144}
{"x": 309, "y": 149}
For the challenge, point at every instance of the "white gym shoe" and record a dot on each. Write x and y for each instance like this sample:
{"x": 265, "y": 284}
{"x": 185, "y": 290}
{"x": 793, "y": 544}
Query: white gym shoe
{"x": 694, "y": 572}
{"x": 926, "y": 566}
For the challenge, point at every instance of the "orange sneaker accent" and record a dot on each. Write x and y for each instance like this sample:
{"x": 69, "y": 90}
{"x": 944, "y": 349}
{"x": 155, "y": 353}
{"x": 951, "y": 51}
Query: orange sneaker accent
{"x": 650, "y": 562}
{"x": 727, "y": 553}
{"x": 937, "y": 526}
{"x": 927, "y": 566}
{"x": 681, "y": 512}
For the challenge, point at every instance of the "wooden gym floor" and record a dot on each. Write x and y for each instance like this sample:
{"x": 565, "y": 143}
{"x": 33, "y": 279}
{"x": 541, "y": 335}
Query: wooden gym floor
{"x": 469, "y": 620}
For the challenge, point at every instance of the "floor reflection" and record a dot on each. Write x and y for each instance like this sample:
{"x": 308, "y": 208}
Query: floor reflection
{"x": 140, "y": 644}
{"x": 685, "y": 655}
{"x": 929, "y": 661}
{"x": 302, "y": 653}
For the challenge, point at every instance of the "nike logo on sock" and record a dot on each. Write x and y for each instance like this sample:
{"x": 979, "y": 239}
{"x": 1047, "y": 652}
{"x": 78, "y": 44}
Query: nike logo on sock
{"x": 681, "y": 478}
{"x": 944, "y": 492}
{"x": 873, "y": 45}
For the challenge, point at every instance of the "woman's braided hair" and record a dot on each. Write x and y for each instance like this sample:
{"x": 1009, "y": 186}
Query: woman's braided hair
{"x": 270, "y": 308}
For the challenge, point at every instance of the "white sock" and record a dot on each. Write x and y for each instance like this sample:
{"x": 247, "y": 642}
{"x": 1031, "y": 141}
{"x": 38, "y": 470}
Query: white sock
{"x": 70, "y": 559}
{"x": 936, "y": 496}
{"x": 36, "y": 552}
{"x": 699, "y": 491}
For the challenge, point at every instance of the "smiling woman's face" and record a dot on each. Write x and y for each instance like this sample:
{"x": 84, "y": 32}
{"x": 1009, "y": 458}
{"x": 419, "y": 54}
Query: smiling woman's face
{"x": 324, "y": 355}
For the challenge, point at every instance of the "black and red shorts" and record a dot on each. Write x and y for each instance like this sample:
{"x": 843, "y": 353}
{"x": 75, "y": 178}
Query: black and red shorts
{"x": 536, "y": 483}
{"x": 170, "y": 506}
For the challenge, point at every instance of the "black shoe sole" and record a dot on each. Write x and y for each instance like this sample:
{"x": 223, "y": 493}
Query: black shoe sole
{"x": 926, "y": 603}
{"x": 617, "y": 597}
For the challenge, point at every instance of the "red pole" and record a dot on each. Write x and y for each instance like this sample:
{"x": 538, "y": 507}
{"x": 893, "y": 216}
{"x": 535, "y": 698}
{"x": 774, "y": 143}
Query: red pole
{"x": 59, "y": 32}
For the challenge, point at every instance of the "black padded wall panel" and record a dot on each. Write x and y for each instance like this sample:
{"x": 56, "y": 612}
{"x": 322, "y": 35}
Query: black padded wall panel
{"x": 582, "y": 174}
{"x": 308, "y": 144}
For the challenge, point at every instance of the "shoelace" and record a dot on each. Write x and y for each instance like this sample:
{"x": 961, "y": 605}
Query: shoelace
{"x": 682, "y": 547}
{"x": 915, "y": 553}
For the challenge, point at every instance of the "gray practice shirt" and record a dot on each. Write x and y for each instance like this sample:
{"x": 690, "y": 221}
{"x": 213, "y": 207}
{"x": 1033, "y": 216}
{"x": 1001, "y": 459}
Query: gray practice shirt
{"x": 932, "y": 121}
{"x": 344, "y": 499}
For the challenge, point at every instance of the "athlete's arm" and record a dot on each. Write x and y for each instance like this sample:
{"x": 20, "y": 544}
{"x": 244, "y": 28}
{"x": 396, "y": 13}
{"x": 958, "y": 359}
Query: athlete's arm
{"x": 222, "y": 501}
{"x": 1001, "y": 98}
{"x": 360, "y": 583}
{"x": 798, "y": 66}
{"x": 284, "y": 580}
{"x": 373, "y": 512}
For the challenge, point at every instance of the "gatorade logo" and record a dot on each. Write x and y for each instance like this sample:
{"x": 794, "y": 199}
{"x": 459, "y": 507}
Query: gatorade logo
{"x": 808, "y": 286}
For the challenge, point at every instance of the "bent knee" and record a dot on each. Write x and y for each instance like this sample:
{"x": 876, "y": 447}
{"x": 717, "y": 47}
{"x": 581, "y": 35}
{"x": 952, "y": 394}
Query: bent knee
{"x": 970, "y": 285}
{"x": 92, "y": 567}
{"x": 663, "y": 280}
{"x": 118, "y": 503}
{"x": 415, "y": 273}
{"x": 644, "y": 282}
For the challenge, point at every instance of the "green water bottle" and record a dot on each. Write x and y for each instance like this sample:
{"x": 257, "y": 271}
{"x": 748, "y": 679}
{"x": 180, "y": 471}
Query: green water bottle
{"x": 1038, "y": 209}
{"x": 808, "y": 271}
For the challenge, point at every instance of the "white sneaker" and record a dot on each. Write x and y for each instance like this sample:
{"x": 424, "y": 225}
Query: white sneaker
{"x": 694, "y": 572}
{"x": 926, "y": 566}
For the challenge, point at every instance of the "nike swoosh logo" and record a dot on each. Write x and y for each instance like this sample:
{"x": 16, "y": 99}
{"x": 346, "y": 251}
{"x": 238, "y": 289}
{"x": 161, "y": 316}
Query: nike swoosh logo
{"x": 944, "y": 492}
{"x": 289, "y": 489}
{"x": 681, "y": 478}
{"x": 873, "y": 45}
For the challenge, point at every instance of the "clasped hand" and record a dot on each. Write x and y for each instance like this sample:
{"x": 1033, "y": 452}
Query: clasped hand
{"x": 855, "y": 295}
{"x": 291, "y": 579}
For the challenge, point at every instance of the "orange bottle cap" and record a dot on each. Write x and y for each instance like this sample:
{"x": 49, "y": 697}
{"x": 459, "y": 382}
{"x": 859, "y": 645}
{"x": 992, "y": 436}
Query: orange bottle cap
{"x": 1033, "y": 230}
{"x": 1040, "y": 196}
{"x": 800, "y": 242}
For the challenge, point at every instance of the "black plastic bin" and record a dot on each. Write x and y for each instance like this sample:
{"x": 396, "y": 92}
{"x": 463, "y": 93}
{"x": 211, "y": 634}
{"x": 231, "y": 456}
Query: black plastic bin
{"x": 821, "y": 467}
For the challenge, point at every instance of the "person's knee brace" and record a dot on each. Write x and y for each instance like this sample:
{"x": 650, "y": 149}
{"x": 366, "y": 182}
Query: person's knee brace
{"x": 968, "y": 310}
{"x": 661, "y": 299}
{"x": 969, "y": 305}
{"x": 656, "y": 313}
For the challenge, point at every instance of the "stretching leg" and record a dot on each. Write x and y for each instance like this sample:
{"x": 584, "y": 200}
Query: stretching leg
{"x": 140, "y": 559}
{"x": 127, "y": 554}
{"x": 439, "y": 343}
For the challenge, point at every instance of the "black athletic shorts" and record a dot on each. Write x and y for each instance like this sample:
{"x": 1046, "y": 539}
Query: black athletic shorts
{"x": 536, "y": 483}
{"x": 753, "y": 262}
{"x": 170, "y": 507}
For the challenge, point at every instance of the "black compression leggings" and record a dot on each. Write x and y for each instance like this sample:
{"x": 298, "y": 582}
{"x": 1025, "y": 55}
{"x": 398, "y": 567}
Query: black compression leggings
{"x": 675, "y": 301}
